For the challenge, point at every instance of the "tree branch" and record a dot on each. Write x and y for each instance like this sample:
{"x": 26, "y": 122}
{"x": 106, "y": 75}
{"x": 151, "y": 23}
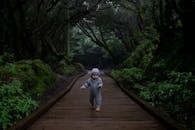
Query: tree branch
{"x": 53, "y": 4}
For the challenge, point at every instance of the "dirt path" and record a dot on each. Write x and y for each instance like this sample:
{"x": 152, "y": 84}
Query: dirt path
{"x": 118, "y": 112}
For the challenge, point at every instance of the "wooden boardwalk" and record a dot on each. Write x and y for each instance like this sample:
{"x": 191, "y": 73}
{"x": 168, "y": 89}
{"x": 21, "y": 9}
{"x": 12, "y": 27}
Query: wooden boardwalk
{"x": 118, "y": 112}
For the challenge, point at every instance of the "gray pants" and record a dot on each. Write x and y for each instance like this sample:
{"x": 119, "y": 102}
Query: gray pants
{"x": 95, "y": 96}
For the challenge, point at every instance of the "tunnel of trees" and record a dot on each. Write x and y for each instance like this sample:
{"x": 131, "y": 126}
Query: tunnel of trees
{"x": 149, "y": 45}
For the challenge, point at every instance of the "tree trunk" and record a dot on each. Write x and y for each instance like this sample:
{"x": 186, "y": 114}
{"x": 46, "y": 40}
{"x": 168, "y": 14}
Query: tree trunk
{"x": 188, "y": 21}
{"x": 67, "y": 35}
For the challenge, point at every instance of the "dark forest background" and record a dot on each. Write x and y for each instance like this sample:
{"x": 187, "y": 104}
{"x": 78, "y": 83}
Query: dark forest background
{"x": 149, "y": 45}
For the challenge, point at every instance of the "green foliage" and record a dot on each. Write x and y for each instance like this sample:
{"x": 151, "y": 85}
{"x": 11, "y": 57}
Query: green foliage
{"x": 68, "y": 69}
{"x": 143, "y": 53}
{"x": 7, "y": 67}
{"x": 6, "y": 58}
{"x": 7, "y": 73}
{"x": 160, "y": 65}
{"x": 14, "y": 103}
{"x": 175, "y": 94}
{"x": 171, "y": 90}
{"x": 85, "y": 51}
{"x": 79, "y": 66}
{"x": 18, "y": 82}
{"x": 158, "y": 71}
{"x": 147, "y": 58}
{"x": 128, "y": 76}
{"x": 116, "y": 46}
{"x": 146, "y": 95}
{"x": 35, "y": 75}
{"x": 183, "y": 78}
{"x": 97, "y": 53}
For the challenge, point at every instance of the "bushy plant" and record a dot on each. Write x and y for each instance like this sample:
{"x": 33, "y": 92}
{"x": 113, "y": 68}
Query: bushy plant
{"x": 186, "y": 92}
{"x": 7, "y": 73}
{"x": 146, "y": 44}
{"x": 67, "y": 69}
{"x": 14, "y": 103}
{"x": 158, "y": 71}
{"x": 79, "y": 66}
{"x": 164, "y": 92}
{"x": 175, "y": 98}
{"x": 128, "y": 76}
{"x": 6, "y": 58}
{"x": 35, "y": 75}
{"x": 183, "y": 78}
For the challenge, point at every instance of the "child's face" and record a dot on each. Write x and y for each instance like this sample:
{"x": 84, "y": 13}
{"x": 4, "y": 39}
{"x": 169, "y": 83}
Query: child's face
{"x": 94, "y": 76}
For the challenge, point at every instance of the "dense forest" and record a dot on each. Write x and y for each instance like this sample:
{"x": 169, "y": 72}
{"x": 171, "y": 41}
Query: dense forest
{"x": 147, "y": 44}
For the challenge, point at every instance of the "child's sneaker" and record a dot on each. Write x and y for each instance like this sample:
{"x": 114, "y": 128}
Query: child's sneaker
{"x": 97, "y": 109}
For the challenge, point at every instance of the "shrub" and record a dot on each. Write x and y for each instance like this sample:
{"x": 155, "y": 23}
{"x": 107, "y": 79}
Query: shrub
{"x": 14, "y": 103}
{"x": 35, "y": 75}
{"x": 128, "y": 76}
{"x": 142, "y": 55}
{"x": 79, "y": 66}
{"x": 175, "y": 98}
{"x": 158, "y": 71}
{"x": 7, "y": 72}
{"x": 183, "y": 78}
{"x": 68, "y": 69}
{"x": 6, "y": 58}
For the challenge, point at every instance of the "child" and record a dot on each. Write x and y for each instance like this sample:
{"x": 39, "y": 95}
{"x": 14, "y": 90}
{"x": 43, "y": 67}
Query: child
{"x": 95, "y": 84}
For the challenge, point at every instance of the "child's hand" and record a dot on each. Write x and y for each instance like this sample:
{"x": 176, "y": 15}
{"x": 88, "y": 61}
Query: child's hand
{"x": 82, "y": 87}
{"x": 100, "y": 85}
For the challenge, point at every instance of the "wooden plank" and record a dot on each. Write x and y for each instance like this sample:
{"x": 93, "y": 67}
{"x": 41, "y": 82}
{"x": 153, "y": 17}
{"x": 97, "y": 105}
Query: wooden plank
{"x": 118, "y": 112}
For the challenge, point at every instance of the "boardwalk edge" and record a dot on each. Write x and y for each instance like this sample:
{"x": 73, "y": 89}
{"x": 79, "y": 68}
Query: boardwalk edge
{"x": 29, "y": 120}
{"x": 168, "y": 122}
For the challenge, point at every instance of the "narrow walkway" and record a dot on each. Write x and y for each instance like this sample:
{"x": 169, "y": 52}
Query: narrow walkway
{"x": 118, "y": 112}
